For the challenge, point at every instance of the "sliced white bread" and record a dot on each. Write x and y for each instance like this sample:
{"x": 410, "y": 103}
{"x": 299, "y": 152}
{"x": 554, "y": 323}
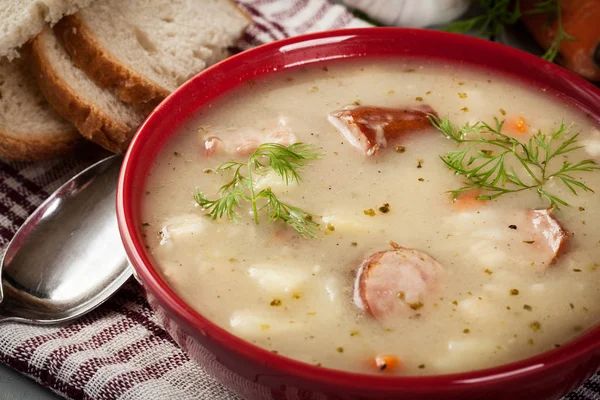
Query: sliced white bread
{"x": 97, "y": 113}
{"x": 29, "y": 128}
{"x": 145, "y": 49}
{"x": 23, "y": 20}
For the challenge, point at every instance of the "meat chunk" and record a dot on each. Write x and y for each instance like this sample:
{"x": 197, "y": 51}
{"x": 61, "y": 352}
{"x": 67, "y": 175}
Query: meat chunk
{"x": 181, "y": 227}
{"x": 371, "y": 128}
{"x": 245, "y": 142}
{"x": 550, "y": 237}
{"x": 519, "y": 238}
{"x": 396, "y": 282}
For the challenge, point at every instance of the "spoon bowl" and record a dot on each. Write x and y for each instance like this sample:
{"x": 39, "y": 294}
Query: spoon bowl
{"x": 67, "y": 258}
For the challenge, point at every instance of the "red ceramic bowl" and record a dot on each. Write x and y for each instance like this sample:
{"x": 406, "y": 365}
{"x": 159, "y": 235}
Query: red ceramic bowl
{"x": 259, "y": 374}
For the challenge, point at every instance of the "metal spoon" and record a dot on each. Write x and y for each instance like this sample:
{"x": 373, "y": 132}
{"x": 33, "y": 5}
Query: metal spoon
{"x": 67, "y": 258}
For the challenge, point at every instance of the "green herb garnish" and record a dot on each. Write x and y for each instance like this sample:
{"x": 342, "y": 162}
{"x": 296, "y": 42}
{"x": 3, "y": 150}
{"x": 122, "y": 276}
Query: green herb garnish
{"x": 287, "y": 163}
{"x": 496, "y": 14}
{"x": 488, "y": 171}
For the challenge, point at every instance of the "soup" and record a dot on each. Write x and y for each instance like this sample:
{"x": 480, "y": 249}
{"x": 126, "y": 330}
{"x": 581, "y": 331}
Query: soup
{"x": 386, "y": 256}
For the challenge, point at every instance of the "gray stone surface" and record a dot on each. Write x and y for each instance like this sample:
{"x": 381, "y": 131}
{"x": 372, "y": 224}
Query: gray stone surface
{"x": 14, "y": 386}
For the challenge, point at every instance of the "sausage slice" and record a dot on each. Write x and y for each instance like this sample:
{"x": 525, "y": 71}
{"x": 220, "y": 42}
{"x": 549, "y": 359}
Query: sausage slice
{"x": 396, "y": 282}
{"x": 371, "y": 128}
{"x": 549, "y": 234}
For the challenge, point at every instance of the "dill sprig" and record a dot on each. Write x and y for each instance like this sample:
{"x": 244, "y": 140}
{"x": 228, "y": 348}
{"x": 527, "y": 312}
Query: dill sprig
{"x": 287, "y": 162}
{"x": 496, "y": 14}
{"x": 490, "y": 23}
{"x": 560, "y": 37}
{"x": 485, "y": 159}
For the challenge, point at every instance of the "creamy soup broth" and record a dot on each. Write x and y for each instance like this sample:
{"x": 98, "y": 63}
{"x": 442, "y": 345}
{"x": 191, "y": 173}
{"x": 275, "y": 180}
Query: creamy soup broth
{"x": 494, "y": 301}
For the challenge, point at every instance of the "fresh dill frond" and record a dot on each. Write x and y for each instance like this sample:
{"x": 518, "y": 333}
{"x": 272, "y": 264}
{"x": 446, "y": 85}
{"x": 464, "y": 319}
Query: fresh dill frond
{"x": 497, "y": 14}
{"x": 486, "y": 155}
{"x": 544, "y": 7}
{"x": 295, "y": 217}
{"x": 224, "y": 205}
{"x": 490, "y": 23}
{"x": 285, "y": 161}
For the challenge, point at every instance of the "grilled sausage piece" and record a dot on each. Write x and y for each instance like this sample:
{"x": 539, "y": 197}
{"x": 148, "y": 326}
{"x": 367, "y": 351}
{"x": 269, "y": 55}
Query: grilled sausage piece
{"x": 372, "y": 128}
{"x": 395, "y": 283}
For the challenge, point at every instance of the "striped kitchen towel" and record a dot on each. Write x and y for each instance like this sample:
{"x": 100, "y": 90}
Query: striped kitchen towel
{"x": 119, "y": 351}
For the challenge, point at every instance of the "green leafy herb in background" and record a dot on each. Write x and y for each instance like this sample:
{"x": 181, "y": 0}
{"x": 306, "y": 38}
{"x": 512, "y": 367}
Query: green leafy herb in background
{"x": 287, "y": 163}
{"x": 496, "y": 14}
{"x": 485, "y": 160}
{"x": 490, "y": 24}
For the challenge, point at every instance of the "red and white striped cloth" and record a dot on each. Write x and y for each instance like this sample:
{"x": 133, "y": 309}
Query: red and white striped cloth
{"x": 119, "y": 351}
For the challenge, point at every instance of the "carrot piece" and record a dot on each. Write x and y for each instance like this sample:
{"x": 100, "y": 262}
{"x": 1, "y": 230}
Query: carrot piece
{"x": 518, "y": 124}
{"x": 580, "y": 20}
{"x": 467, "y": 201}
{"x": 386, "y": 362}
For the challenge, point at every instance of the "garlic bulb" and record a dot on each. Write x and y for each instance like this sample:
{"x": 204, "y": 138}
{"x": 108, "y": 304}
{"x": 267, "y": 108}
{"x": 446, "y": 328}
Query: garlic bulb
{"x": 411, "y": 13}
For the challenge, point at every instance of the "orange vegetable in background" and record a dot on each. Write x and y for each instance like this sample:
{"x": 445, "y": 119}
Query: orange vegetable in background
{"x": 581, "y": 20}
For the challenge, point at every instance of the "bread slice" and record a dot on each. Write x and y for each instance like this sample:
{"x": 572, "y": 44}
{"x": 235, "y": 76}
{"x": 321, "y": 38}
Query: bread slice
{"x": 22, "y": 20}
{"x": 97, "y": 113}
{"x": 145, "y": 49}
{"x": 29, "y": 128}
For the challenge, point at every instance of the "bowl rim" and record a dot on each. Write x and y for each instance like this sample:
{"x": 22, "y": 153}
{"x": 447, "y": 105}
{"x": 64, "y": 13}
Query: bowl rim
{"x": 159, "y": 288}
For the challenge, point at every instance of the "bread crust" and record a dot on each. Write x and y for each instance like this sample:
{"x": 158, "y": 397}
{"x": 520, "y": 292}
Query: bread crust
{"x": 33, "y": 18}
{"x": 41, "y": 148}
{"x": 91, "y": 122}
{"x": 106, "y": 71}
{"x": 32, "y": 146}
{"x": 243, "y": 12}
